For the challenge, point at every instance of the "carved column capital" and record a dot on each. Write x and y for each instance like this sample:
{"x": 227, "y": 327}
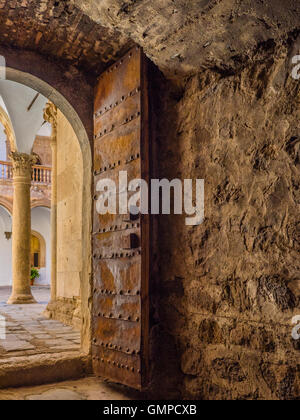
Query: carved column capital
{"x": 22, "y": 163}
{"x": 50, "y": 115}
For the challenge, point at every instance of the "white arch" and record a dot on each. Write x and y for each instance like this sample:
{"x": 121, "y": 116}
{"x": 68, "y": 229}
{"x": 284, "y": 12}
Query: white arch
{"x": 6, "y": 211}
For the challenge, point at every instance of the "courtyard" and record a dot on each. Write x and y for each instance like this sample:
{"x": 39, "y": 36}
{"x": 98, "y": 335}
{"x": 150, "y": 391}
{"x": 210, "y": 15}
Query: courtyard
{"x": 29, "y": 333}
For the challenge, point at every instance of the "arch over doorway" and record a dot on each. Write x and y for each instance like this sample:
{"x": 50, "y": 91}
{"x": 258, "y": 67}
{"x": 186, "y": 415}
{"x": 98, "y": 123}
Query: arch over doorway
{"x": 6, "y": 211}
{"x": 66, "y": 87}
{"x": 41, "y": 203}
{"x": 71, "y": 93}
{"x": 6, "y": 204}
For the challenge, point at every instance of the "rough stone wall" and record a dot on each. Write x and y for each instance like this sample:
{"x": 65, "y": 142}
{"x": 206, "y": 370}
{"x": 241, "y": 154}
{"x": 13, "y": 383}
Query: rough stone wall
{"x": 69, "y": 224}
{"x": 184, "y": 36}
{"x": 228, "y": 289}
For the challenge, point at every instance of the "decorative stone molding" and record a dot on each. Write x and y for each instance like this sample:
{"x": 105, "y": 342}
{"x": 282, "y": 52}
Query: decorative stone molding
{"x": 43, "y": 202}
{"x": 8, "y": 129}
{"x": 50, "y": 115}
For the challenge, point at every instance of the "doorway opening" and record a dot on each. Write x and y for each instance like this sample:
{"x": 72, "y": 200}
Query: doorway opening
{"x": 40, "y": 247}
{"x": 37, "y": 250}
{"x": 52, "y": 325}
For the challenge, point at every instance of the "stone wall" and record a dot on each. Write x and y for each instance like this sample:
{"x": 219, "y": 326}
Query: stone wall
{"x": 42, "y": 148}
{"x": 223, "y": 294}
{"x": 69, "y": 224}
{"x": 227, "y": 290}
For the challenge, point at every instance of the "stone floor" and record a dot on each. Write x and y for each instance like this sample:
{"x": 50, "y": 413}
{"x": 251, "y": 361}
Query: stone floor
{"x": 33, "y": 339}
{"x": 29, "y": 333}
{"x": 89, "y": 388}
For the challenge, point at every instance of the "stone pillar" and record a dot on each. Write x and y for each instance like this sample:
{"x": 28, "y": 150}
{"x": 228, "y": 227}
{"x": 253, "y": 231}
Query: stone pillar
{"x": 50, "y": 115}
{"x": 21, "y": 229}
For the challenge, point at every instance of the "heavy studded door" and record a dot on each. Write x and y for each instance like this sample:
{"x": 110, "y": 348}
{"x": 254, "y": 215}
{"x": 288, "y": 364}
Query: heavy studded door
{"x": 121, "y": 241}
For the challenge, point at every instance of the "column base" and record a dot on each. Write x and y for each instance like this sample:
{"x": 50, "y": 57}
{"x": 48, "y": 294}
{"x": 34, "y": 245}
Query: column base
{"x": 21, "y": 300}
{"x": 67, "y": 311}
{"x": 49, "y": 312}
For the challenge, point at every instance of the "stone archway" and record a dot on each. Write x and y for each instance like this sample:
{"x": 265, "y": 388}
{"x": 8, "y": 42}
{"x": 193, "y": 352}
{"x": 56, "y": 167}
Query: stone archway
{"x": 41, "y": 203}
{"x": 73, "y": 96}
{"x": 6, "y": 204}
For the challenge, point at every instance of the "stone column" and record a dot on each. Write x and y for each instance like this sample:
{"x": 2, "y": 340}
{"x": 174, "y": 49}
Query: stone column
{"x": 21, "y": 228}
{"x": 50, "y": 115}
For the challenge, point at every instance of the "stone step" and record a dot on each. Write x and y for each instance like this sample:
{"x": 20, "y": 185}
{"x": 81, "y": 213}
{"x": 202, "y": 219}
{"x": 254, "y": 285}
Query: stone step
{"x": 43, "y": 369}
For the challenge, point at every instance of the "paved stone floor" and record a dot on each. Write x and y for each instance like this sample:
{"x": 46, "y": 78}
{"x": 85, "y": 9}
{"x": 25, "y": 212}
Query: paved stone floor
{"x": 89, "y": 388}
{"x": 28, "y": 332}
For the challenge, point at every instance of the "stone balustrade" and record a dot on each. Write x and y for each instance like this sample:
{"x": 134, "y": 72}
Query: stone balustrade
{"x": 40, "y": 174}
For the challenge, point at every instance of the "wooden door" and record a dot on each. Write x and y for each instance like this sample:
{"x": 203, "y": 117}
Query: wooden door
{"x": 121, "y": 241}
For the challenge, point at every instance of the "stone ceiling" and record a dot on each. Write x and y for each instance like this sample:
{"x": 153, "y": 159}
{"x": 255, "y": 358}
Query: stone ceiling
{"x": 185, "y": 36}
{"x": 180, "y": 36}
{"x": 60, "y": 30}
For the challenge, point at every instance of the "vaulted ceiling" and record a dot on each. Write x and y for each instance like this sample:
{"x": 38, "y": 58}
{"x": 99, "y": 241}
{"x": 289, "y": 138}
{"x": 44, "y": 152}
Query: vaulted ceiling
{"x": 180, "y": 36}
{"x": 60, "y": 30}
{"x": 25, "y": 109}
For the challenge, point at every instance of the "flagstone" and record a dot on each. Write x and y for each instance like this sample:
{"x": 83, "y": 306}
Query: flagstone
{"x": 29, "y": 333}
{"x": 16, "y": 345}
